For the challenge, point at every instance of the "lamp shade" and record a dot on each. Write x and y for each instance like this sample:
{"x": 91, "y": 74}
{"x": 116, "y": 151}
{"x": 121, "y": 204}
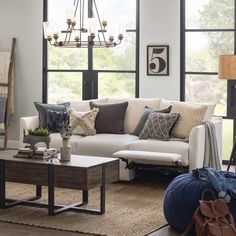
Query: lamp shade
{"x": 227, "y": 67}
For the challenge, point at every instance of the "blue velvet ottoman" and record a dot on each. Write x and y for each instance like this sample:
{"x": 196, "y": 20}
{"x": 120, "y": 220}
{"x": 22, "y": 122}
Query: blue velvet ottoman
{"x": 182, "y": 198}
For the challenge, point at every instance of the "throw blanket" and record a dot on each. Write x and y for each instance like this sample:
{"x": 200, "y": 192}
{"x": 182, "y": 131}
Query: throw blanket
{"x": 223, "y": 182}
{"x": 3, "y": 102}
{"x": 211, "y": 155}
{"x": 5, "y": 60}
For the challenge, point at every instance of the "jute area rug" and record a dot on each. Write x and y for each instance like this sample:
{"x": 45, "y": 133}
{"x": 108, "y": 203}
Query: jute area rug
{"x": 131, "y": 209}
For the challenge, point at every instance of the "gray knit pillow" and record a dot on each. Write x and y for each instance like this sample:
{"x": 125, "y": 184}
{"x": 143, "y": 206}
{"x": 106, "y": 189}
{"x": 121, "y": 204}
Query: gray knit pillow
{"x": 159, "y": 125}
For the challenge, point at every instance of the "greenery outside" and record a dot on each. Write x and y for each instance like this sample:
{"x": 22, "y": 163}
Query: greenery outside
{"x": 202, "y": 52}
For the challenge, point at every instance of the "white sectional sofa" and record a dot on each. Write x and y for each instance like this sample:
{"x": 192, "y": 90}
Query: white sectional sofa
{"x": 192, "y": 152}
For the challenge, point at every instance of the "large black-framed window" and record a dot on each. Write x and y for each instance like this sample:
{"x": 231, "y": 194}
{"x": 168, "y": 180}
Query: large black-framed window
{"x": 98, "y": 73}
{"x": 208, "y": 29}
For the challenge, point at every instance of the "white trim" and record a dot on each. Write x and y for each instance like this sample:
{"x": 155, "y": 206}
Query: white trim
{"x": 11, "y": 143}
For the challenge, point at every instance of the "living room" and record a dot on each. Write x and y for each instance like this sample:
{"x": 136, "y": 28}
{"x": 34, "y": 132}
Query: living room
{"x": 149, "y": 55}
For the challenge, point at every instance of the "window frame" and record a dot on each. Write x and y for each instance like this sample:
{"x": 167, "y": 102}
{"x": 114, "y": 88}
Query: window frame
{"x": 183, "y": 72}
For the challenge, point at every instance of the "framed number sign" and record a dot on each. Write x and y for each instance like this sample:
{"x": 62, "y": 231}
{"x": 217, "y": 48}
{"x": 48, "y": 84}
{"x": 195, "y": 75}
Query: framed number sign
{"x": 158, "y": 60}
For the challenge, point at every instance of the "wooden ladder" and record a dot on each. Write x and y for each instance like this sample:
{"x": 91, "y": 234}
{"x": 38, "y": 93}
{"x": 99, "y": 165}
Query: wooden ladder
{"x": 9, "y": 97}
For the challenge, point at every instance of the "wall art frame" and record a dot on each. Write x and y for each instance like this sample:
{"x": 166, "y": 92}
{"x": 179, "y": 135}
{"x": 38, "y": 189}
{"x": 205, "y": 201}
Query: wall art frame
{"x": 158, "y": 60}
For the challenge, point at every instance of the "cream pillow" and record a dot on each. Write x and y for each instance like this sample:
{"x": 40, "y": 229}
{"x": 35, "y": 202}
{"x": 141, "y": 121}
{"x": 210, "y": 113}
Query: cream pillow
{"x": 190, "y": 116}
{"x": 210, "y": 107}
{"x": 83, "y": 123}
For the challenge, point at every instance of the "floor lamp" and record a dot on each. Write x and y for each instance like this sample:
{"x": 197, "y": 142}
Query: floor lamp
{"x": 227, "y": 70}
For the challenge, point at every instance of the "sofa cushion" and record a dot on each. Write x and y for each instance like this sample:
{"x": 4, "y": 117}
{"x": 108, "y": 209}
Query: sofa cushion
{"x": 110, "y": 118}
{"x": 151, "y": 145}
{"x": 83, "y": 123}
{"x": 135, "y": 110}
{"x": 56, "y": 142}
{"x": 104, "y": 144}
{"x": 84, "y": 104}
{"x": 144, "y": 157}
{"x": 55, "y": 118}
{"x": 209, "y": 112}
{"x": 190, "y": 116}
{"x": 159, "y": 125}
{"x": 42, "y": 109}
{"x": 144, "y": 117}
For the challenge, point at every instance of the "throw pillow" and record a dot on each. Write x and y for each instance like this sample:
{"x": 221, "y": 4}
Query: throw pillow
{"x": 83, "y": 122}
{"x": 135, "y": 109}
{"x": 209, "y": 112}
{"x": 159, "y": 125}
{"x": 144, "y": 118}
{"x": 110, "y": 118}
{"x": 54, "y": 119}
{"x": 42, "y": 109}
{"x": 190, "y": 117}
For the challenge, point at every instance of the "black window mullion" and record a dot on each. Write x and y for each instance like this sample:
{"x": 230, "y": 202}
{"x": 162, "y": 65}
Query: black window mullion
{"x": 45, "y": 57}
{"x": 209, "y": 30}
{"x": 183, "y": 50}
{"x": 200, "y": 73}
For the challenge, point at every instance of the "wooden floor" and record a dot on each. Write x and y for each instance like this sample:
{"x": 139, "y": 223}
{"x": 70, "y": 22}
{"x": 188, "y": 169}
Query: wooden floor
{"x": 9, "y": 229}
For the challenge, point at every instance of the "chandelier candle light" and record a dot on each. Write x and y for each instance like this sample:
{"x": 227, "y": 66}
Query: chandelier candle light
{"x": 77, "y": 35}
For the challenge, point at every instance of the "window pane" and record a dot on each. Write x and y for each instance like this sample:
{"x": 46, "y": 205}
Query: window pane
{"x": 207, "y": 89}
{"x": 203, "y": 49}
{"x": 118, "y": 14}
{"x": 63, "y": 58}
{"x": 67, "y": 58}
{"x": 227, "y": 138}
{"x": 116, "y": 85}
{"x": 64, "y": 86}
{"x": 209, "y": 14}
{"x": 121, "y": 57}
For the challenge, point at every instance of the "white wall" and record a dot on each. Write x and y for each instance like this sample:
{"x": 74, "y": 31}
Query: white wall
{"x": 160, "y": 24}
{"x": 23, "y": 19}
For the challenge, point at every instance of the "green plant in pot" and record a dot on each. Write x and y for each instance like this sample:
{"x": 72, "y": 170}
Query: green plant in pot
{"x": 37, "y": 135}
{"x": 38, "y": 132}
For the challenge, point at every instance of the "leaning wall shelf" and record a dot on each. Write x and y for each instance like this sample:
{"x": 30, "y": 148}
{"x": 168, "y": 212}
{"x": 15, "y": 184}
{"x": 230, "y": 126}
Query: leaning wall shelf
{"x": 6, "y": 97}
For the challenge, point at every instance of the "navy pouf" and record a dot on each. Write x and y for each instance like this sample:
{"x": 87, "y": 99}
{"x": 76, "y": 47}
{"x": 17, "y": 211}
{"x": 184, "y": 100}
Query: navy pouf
{"x": 182, "y": 199}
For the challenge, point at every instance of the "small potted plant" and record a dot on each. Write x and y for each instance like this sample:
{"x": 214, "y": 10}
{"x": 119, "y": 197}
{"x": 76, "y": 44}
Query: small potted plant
{"x": 65, "y": 130}
{"x": 37, "y": 136}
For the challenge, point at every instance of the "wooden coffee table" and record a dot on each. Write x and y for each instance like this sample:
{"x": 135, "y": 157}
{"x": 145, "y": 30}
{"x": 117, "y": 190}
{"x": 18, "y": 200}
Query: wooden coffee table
{"x": 81, "y": 173}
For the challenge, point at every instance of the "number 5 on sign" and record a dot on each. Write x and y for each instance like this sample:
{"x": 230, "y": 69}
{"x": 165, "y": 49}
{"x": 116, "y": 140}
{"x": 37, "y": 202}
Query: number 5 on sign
{"x": 158, "y": 60}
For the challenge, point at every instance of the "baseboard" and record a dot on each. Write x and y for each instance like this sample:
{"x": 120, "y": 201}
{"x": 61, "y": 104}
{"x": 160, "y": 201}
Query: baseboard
{"x": 11, "y": 143}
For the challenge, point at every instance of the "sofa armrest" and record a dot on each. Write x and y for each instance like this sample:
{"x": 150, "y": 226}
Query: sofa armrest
{"x": 26, "y": 123}
{"x": 197, "y": 143}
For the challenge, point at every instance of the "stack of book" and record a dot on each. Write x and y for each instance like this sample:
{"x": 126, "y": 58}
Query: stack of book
{"x": 40, "y": 153}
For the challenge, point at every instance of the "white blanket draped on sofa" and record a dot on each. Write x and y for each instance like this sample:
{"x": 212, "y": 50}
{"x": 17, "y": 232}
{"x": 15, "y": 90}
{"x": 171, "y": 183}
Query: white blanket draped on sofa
{"x": 211, "y": 155}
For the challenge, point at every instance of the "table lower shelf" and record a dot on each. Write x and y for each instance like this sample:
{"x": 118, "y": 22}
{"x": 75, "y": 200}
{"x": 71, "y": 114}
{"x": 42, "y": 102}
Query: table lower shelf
{"x": 54, "y": 209}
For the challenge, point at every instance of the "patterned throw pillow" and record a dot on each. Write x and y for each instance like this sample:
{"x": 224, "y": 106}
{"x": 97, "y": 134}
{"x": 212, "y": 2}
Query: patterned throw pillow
{"x": 142, "y": 121}
{"x": 83, "y": 122}
{"x": 54, "y": 119}
{"x": 159, "y": 125}
{"x": 42, "y": 109}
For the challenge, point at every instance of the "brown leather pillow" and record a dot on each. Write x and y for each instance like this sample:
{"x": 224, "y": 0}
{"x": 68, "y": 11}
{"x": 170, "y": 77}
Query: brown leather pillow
{"x": 110, "y": 118}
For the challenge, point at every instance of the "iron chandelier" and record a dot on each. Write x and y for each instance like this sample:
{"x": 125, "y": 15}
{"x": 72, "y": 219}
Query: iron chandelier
{"x": 77, "y": 35}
